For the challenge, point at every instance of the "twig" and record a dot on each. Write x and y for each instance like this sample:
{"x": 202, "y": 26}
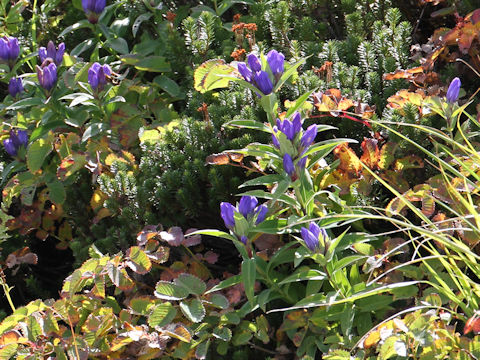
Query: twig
{"x": 262, "y": 349}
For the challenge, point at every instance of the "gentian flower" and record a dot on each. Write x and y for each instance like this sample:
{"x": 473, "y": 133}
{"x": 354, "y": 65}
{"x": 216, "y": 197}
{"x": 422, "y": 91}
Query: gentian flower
{"x": 261, "y": 212}
{"x": 51, "y": 52}
{"x": 302, "y": 163}
{"x": 309, "y": 136}
{"x": 315, "y": 237}
{"x": 97, "y": 76}
{"x": 47, "y": 75}
{"x": 247, "y": 205}
{"x": 275, "y": 141}
{"x": 263, "y": 82}
{"x": 9, "y": 50}
{"x": 254, "y": 63}
{"x": 15, "y": 86}
{"x": 227, "y": 212}
{"x": 453, "y": 90}
{"x": 288, "y": 165}
{"x": 93, "y": 9}
{"x": 16, "y": 140}
{"x": 276, "y": 62}
{"x": 245, "y": 71}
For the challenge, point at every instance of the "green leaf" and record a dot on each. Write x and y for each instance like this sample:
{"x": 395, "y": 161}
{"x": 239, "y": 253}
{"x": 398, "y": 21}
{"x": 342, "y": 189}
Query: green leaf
{"x": 263, "y": 180}
{"x": 119, "y": 44}
{"x": 202, "y": 350}
{"x": 138, "y": 260}
{"x": 168, "y": 85}
{"x": 149, "y": 63}
{"x": 162, "y": 315}
{"x": 142, "y": 304}
{"x": 212, "y": 74}
{"x": 248, "y": 124}
{"x": 219, "y": 301}
{"x": 37, "y": 153}
{"x": 231, "y": 281}
{"x": 249, "y": 275}
{"x": 168, "y": 291}
{"x": 138, "y": 21}
{"x": 289, "y": 72}
{"x": 81, "y": 24}
{"x": 56, "y": 192}
{"x": 299, "y": 102}
{"x": 94, "y": 130}
{"x": 193, "y": 310}
{"x": 222, "y": 333}
{"x": 193, "y": 284}
{"x": 24, "y": 103}
{"x": 304, "y": 273}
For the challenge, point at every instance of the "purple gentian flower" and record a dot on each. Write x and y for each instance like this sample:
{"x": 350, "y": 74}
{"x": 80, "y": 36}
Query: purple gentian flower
{"x": 315, "y": 237}
{"x": 47, "y": 76}
{"x": 93, "y": 9}
{"x": 245, "y": 71}
{"x": 244, "y": 239}
{"x": 309, "y": 136}
{"x": 302, "y": 162}
{"x": 297, "y": 122}
{"x": 288, "y": 165}
{"x": 254, "y": 63}
{"x": 276, "y": 62}
{"x": 9, "y": 50}
{"x": 97, "y": 76}
{"x": 261, "y": 212}
{"x": 16, "y": 140}
{"x": 51, "y": 52}
{"x": 275, "y": 141}
{"x": 227, "y": 212}
{"x": 15, "y": 86}
{"x": 454, "y": 90}
{"x": 247, "y": 205}
{"x": 264, "y": 84}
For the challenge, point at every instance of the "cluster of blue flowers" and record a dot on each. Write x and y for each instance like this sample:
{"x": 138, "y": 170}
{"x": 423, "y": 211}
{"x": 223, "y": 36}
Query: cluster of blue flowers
{"x": 248, "y": 209}
{"x": 263, "y": 79}
{"x": 17, "y": 140}
{"x": 315, "y": 238}
{"x": 289, "y": 137}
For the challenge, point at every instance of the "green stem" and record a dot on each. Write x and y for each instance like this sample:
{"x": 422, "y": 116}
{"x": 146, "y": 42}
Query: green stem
{"x": 277, "y": 288}
{"x": 6, "y": 290}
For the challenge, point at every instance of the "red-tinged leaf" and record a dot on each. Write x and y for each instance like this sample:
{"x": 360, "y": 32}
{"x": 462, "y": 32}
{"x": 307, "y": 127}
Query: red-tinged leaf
{"x": 409, "y": 162}
{"x": 9, "y": 337}
{"x": 174, "y": 236}
{"x": 218, "y": 159}
{"x": 179, "y": 332}
{"x": 473, "y": 324}
{"x": 98, "y": 289}
{"x": 71, "y": 164}
{"x": 210, "y": 257}
{"x": 387, "y": 155}
{"x": 404, "y": 74}
{"x": 160, "y": 255}
{"x": 396, "y": 180}
{"x": 192, "y": 240}
{"x": 349, "y": 161}
{"x": 370, "y": 153}
{"x": 119, "y": 277}
{"x": 138, "y": 260}
{"x": 147, "y": 233}
{"x": 428, "y": 205}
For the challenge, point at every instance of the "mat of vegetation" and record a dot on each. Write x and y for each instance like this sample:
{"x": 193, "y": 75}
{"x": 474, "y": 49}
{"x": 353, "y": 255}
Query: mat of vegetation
{"x": 240, "y": 179}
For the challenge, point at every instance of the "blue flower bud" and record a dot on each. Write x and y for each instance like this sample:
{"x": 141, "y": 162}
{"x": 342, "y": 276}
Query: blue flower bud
{"x": 9, "y": 147}
{"x": 297, "y": 122}
{"x": 227, "y": 212}
{"x": 97, "y": 76}
{"x": 261, "y": 212}
{"x": 302, "y": 163}
{"x": 309, "y": 136}
{"x": 15, "y": 141}
{"x": 254, "y": 63}
{"x": 47, "y": 75}
{"x": 9, "y": 50}
{"x": 245, "y": 71}
{"x": 275, "y": 141}
{"x": 93, "y": 9}
{"x": 15, "y": 86}
{"x": 247, "y": 205}
{"x": 315, "y": 237}
{"x": 288, "y": 165}
{"x": 454, "y": 90}
{"x": 22, "y": 137}
{"x": 276, "y": 62}
{"x": 263, "y": 82}
{"x": 51, "y": 52}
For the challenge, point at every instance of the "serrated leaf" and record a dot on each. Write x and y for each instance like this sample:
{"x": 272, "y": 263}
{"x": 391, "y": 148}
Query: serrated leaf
{"x": 181, "y": 333}
{"x": 202, "y": 350}
{"x": 193, "y": 284}
{"x": 168, "y": 291}
{"x": 212, "y": 75}
{"x": 56, "y": 192}
{"x": 37, "y": 153}
{"x": 193, "y": 310}
{"x": 219, "y": 301}
{"x": 138, "y": 260}
{"x": 387, "y": 155}
{"x": 162, "y": 315}
{"x": 222, "y": 333}
{"x": 119, "y": 277}
{"x": 141, "y": 304}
